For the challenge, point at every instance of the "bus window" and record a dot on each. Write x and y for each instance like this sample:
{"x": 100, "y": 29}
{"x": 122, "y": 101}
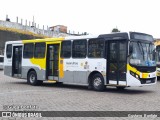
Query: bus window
{"x": 39, "y": 50}
{"x": 79, "y": 48}
{"x": 9, "y": 51}
{"x": 96, "y": 48}
{"x": 28, "y": 50}
{"x": 1, "y": 59}
{"x": 66, "y": 49}
{"x": 122, "y": 51}
{"x": 113, "y": 53}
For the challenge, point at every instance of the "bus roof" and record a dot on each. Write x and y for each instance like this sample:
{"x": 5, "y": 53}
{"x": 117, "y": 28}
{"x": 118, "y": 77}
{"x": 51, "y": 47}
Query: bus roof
{"x": 81, "y": 37}
{"x": 51, "y": 39}
{"x": 14, "y": 42}
{"x": 111, "y": 36}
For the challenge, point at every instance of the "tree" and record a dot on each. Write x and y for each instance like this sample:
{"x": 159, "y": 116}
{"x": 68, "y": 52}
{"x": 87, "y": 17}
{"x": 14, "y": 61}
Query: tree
{"x": 115, "y": 30}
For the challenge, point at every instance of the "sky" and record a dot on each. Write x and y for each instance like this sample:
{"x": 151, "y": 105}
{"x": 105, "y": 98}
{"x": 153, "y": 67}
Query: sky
{"x": 91, "y": 16}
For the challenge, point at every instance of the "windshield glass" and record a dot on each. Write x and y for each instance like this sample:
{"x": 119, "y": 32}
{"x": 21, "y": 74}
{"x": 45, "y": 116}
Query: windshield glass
{"x": 143, "y": 54}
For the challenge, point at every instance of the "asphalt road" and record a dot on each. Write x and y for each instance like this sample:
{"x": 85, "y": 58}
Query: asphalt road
{"x": 52, "y": 97}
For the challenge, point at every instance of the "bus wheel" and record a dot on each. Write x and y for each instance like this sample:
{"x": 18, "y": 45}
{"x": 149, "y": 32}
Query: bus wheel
{"x": 32, "y": 78}
{"x": 98, "y": 82}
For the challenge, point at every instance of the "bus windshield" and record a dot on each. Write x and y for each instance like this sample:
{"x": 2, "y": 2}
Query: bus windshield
{"x": 143, "y": 54}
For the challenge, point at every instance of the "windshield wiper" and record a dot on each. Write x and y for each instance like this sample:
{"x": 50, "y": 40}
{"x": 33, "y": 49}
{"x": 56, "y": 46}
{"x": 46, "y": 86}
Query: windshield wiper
{"x": 141, "y": 48}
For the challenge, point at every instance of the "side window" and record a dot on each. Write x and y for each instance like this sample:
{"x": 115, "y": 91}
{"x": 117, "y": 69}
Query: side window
{"x": 9, "y": 51}
{"x": 113, "y": 51}
{"x": 39, "y": 50}
{"x": 123, "y": 50}
{"x": 96, "y": 48}
{"x": 28, "y": 50}
{"x": 1, "y": 59}
{"x": 79, "y": 48}
{"x": 66, "y": 49}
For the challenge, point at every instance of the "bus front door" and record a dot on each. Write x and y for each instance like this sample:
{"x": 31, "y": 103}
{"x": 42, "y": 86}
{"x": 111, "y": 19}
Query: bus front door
{"x": 17, "y": 61}
{"x": 116, "y": 62}
{"x": 52, "y": 62}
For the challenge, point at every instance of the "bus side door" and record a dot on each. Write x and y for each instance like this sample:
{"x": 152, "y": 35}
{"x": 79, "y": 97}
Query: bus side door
{"x": 116, "y": 62}
{"x": 52, "y": 62}
{"x": 17, "y": 61}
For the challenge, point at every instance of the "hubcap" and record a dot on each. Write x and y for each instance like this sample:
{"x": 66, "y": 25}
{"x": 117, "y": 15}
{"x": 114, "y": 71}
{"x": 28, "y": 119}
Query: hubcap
{"x": 97, "y": 82}
{"x": 32, "y": 78}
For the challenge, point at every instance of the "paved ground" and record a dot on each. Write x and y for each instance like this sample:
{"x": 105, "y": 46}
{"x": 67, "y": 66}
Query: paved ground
{"x": 51, "y": 97}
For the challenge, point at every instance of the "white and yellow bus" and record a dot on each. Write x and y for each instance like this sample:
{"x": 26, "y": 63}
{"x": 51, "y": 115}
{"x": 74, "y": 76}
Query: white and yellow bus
{"x": 157, "y": 44}
{"x": 118, "y": 59}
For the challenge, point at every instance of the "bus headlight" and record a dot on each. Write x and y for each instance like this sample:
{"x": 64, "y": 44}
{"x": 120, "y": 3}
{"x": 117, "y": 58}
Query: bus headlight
{"x": 134, "y": 75}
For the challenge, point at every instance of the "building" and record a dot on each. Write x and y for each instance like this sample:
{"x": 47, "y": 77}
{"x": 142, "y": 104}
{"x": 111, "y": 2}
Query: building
{"x": 59, "y": 29}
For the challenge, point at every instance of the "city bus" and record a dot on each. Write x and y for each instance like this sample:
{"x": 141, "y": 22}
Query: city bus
{"x": 157, "y": 44}
{"x": 117, "y": 59}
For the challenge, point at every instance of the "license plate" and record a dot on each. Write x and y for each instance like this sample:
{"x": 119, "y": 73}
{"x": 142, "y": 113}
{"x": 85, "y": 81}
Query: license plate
{"x": 148, "y": 81}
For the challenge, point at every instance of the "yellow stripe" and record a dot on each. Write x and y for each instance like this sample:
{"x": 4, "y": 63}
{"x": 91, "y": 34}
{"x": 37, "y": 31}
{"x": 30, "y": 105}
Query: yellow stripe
{"x": 61, "y": 72}
{"x": 47, "y": 40}
{"x": 144, "y": 75}
{"x": 61, "y": 66}
{"x": 133, "y": 69}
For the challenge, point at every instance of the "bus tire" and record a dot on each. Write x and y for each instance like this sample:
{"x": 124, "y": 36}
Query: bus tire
{"x": 32, "y": 79}
{"x": 98, "y": 82}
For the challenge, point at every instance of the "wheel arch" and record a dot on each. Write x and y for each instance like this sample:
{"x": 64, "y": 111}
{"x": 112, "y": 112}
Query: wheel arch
{"x": 91, "y": 75}
{"x": 31, "y": 69}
